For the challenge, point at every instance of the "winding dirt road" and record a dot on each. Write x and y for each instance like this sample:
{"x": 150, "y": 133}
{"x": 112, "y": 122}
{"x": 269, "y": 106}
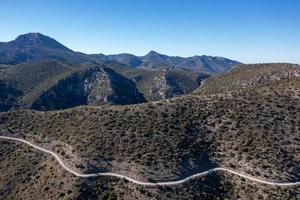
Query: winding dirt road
{"x": 168, "y": 183}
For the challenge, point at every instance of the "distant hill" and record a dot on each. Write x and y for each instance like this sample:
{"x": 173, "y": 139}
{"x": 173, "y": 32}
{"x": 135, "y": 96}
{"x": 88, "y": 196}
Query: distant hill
{"x": 37, "y": 47}
{"x": 91, "y": 86}
{"x": 162, "y": 83}
{"x": 50, "y": 85}
{"x": 154, "y": 60}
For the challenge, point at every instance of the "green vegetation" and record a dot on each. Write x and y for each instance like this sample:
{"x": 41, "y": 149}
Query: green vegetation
{"x": 249, "y": 76}
{"x": 253, "y": 130}
{"x": 34, "y": 78}
{"x": 161, "y": 84}
{"x": 52, "y": 85}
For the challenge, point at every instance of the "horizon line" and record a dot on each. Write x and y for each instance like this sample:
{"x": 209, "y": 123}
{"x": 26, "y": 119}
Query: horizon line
{"x": 149, "y": 51}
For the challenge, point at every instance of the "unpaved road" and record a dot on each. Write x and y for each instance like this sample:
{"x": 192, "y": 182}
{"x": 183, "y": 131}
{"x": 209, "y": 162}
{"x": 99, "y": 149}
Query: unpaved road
{"x": 167, "y": 183}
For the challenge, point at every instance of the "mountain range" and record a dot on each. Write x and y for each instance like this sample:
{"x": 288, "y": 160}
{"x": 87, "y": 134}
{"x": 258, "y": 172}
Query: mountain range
{"x": 37, "y": 47}
{"x": 37, "y": 72}
{"x": 154, "y": 60}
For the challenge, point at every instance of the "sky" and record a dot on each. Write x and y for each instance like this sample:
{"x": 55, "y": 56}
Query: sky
{"x": 249, "y": 31}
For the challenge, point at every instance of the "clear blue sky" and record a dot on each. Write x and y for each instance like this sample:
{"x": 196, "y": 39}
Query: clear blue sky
{"x": 246, "y": 30}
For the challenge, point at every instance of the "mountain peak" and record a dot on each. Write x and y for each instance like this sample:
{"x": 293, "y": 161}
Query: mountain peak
{"x": 37, "y": 40}
{"x": 154, "y": 56}
{"x": 152, "y": 53}
{"x": 31, "y": 37}
{"x": 36, "y": 47}
{"x": 33, "y": 34}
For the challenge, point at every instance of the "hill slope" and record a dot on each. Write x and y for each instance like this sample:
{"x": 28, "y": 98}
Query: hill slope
{"x": 249, "y": 76}
{"x": 253, "y": 130}
{"x": 56, "y": 85}
{"x": 92, "y": 86}
{"x": 163, "y": 84}
{"x": 52, "y": 85}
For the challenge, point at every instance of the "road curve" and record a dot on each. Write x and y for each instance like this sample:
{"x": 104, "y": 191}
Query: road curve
{"x": 167, "y": 183}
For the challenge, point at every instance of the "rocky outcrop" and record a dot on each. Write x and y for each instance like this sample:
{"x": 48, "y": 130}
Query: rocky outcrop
{"x": 93, "y": 86}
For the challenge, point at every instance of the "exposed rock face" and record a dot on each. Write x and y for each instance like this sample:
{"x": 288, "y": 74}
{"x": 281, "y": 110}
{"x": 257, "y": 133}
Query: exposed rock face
{"x": 93, "y": 83}
{"x": 168, "y": 84}
{"x": 160, "y": 86}
{"x": 94, "y": 86}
